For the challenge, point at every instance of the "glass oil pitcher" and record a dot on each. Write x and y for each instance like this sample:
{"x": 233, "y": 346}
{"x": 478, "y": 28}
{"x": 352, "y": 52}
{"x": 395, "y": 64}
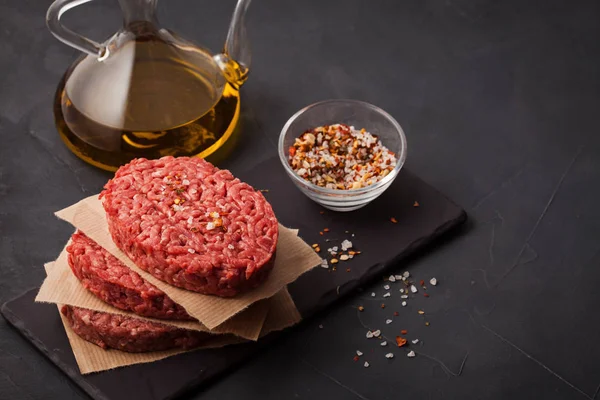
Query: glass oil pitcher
{"x": 146, "y": 92}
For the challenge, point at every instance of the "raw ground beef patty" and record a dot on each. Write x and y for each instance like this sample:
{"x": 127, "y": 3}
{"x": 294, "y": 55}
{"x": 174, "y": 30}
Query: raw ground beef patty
{"x": 191, "y": 224}
{"x": 129, "y": 334}
{"x": 113, "y": 282}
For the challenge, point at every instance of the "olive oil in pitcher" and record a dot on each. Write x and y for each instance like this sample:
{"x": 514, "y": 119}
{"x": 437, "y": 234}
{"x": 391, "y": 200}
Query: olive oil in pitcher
{"x": 148, "y": 93}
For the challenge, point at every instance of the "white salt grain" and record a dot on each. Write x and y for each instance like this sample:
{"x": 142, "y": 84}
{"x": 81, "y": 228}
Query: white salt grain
{"x": 366, "y": 364}
{"x": 373, "y": 294}
{"x": 413, "y": 288}
{"x": 386, "y": 287}
{"x": 387, "y": 294}
{"x": 369, "y": 334}
{"x": 389, "y": 355}
{"x": 433, "y": 281}
{"x": 404, "y": 296}
{"x": 346, "y": 244}
{"x": 359, "y": 353}
{"x": 415, "y": 341}
{"x": 410, "y": 354}
{"x": 377, "y": 333}
{"x": 383, "y": 344}
{"x": 388, "y": 321}
{"x": 406, "y": 274}
{"x": 191, "y": 251}
{"x": 392, "y": 278}
{"x": 403, "y": 304}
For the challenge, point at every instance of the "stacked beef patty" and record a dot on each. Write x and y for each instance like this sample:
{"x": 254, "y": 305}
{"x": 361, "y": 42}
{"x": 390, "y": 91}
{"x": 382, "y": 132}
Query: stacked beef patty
{"x": 187, "y": 223}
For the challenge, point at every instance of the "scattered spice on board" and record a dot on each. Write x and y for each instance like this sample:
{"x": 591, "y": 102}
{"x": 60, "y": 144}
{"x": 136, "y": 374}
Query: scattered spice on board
{"x": 422, "y": 282}
{"x": 321, "y": 212}
{"x": 425, "y": 295}
{"x": 326, "y": 230}
{"x": 264, "y": 190}
{"x": 403, "y": 332}
{"x": 334, "y": 261}
{"x": 416, "y": 204}
{"x": 396, "y": 313}
{"x": 348, "y": 270}
{"x": 340, "y": 157}
{"x": 361, "y": 308}
{"x": 382, "y": 305}
{"x": 321, "y": 233}
{"x": 394, "y": 220}
{"x": 400, "y": 341}
{"x": 421, "y": 312}
{"x": 356, "y": 358}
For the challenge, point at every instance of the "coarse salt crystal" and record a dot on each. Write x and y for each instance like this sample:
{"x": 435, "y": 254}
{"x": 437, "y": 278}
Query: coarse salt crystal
{"x": 392, "y": 278}
{"x": 410, "y": 354}
{"x": 406, "y": 274}
{"x": 433, "y": 281}
{"x": 413, "y": 288}
{"x": 388, "y": 321}
{"x": 190, "y": 220}
{"x": 214, "y": 214}
{"x": 369, "y": 334}
{"x": 324, "y": 263}
{"x": 193, "y": 191}
{"x": 415, "y": 341}
{"x": 401, "y": 290}
{"x": 366, "y": 364}
{"x": 359, "y": 353}
{"x": 376, "y": 333}
{"x": 230, "y": 246}
{"x": 191, "y": 251}
{"x": 383, "y": 344}
{"x": 373, "y": 294}
{"x": 389, "y": 355}
{"x": 403, "y": 304}
{"x": 386, "y": 287}
{"x": 398, "y": 277}
{"x": 346, "y": 244}
{"x": 334, "y": 248}
{"x": 387, "y": 294}
{"x": 185, "y": 182}
{"x": 344, "y": 257}
{"x": 177, "y": 207}
{"x": 210, "y": 226}
{"x": 404, "y": 296}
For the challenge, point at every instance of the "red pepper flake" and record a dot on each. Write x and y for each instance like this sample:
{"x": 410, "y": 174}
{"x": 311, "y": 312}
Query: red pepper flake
{"x": 321, "y": 212}
{"x": 326, "y": 230}
{"x": 382, "y": 305}
{"x": 394, "y": 220}
{"x": 347, "y": 269}
{"x": 396, "y": 313}
{"x": 400, "y": 341}
{"x": 321, "y": 233}
{"x": 425, "y": 295}
{"x": 292, "y": 151}
{"x": 361, "y": 308}
{"x": 356, "y": 358}
{"x": 416, "y": 204}
{"x": 422, "y": 282}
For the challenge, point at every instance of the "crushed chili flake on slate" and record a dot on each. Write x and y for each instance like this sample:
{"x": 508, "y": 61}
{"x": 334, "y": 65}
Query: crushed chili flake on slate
{"x": 321, "y": 233}
{"x": 326, "y": 230}
{"x": 400, "y": 341}
{"x": 403, "y": 331}
{"x": 340, "y": 157}
{"x": 382, "y": 305}
{"x": 422, "y": 282}
{"x": 347, "y": 269}
{"x": 394, "y": 220}
{"x": 425, "y": 295}
{"x": 396, "y": 313}
{"x": 416, "y": 204}
{"x": 355, "y": 358}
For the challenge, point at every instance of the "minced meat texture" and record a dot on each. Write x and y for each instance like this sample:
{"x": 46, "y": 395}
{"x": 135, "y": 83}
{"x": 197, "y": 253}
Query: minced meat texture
{"x": 191, "y": 224}
{"x": 113, "y": 282}
{"x": 129, "y": 334}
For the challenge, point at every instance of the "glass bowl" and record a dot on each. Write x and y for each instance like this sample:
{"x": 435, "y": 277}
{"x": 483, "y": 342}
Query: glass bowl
{"x": 353, "y": 113}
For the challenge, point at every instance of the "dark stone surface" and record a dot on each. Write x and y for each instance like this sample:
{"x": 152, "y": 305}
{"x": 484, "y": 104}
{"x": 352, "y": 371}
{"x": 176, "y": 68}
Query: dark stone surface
{"x": 383, "y": 245}
{"x": 499, "y": 101}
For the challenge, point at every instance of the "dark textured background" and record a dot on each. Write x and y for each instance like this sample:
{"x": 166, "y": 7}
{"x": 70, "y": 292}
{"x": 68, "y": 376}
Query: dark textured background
{"x": 500, "y": 104}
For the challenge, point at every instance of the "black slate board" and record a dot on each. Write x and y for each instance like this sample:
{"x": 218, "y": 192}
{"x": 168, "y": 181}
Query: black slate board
{"x": 383, "y": 245}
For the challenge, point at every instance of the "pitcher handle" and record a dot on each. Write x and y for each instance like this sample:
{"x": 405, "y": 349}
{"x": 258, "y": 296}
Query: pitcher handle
{"x": 67, "y": 36}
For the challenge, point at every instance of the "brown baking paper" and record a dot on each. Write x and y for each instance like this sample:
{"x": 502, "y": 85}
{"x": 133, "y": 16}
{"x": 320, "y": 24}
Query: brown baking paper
{"x": 62, "y": 287}
{"x": 294, "y": 257}
{"x": 91, "y": 358}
